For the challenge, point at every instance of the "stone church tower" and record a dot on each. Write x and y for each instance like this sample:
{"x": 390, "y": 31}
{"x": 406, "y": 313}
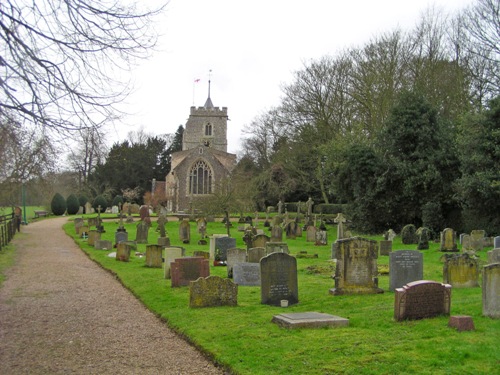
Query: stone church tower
{"x": 203, "y": 161}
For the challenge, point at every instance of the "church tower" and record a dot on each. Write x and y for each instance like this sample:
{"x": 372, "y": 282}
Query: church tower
{"x": 204, "y": 161}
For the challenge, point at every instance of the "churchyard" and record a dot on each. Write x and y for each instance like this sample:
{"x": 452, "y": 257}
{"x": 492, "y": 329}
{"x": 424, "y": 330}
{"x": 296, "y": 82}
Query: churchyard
{"x": 243, "y": 337}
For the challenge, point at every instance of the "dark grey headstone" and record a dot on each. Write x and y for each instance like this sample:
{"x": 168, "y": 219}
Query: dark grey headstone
{"x": 496, "y": 242}
{"x": 405, "y": 266}
{"x": 222, "y": 245}
{"x": 246, "y": 274}
{"x": 184, "y": 231}
{"x": 142, "y": 232}
{"x": 278, "y": 277}
{"x": 121, "y": 237}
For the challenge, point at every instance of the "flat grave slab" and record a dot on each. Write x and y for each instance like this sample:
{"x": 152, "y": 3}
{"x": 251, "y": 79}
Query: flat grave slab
{"x": 309, "y": 320}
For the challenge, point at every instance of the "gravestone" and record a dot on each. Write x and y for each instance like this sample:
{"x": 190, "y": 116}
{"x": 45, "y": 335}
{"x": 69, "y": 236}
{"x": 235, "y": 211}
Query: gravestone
{"x": 321, "y": 238}
{"x": 491, "y": 290}
{"x": 255, "y": 254}
{"x": 448, "y": 240}
{"x": 278, "y": 278}
{"x": 356, "y": 267}
{"x": 171, "y": 254}
{"x": 246, "y": 274}
{"x": 309, "y": 320}
{"x": 405, "y": 266}
{"x": 409, "y": 234}
{"x": 466, "y": 243}
{"x": 234, "y": 256}
{"x": 277, "y": 221}
{"x": 185, "y": 231}
{"x": 291, "y": 230}
{"x": 93, "y": 236}
{"x": 385, "y": 247}
{"x": 123, "y": 252}
{"x": 154, "y": 256}
{"x": 477, "y": 239}
{"x": 84, "y": 231}
{"x": 340, "y": 220}
{"x": 212, "y": 244}
{"x": 115, "y": 210}
{"x": 92, "y": 221}
{"x": 88, "y": 208}
{"x": 496, "y": 242}
{"x": 390, "y": 235}
{"x": 422, "y": 299}
{"x": 79, "y": 222}
{"x": 81, "y": 210}
{"x": 276, "y": 234}
{"x": 277, "y": 247}
{"x": 222, "y": 245}
{"x": 423, "y": 234}
{"x": 103, "y": 245}
{"x": 311, "y": 233}
{"x": 260, "y": 240}
{"x": 121, "y": 237}
{"x": 213, "y": 291}
{"x": 160, "y": 225}
{"x": 461, "y": 271}
{"x": 200, "y": 253}
{"x": 184, "y": 270}
{"x": 142, "y": 232}
{"x": 494, "y": 256}
{"x": 164, "y": 241}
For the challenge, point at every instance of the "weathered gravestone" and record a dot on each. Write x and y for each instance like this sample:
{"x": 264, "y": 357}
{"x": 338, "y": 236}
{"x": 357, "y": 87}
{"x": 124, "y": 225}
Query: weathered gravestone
{"x": 409, "y": 234}
{"x": 171, "y": 254}
{"x": 246, "y": 274}
{"x": 385, "y": 247}
{"x": 311, "y": 233}
{"x": 121, "y": 237}
{"x": 340, "y": 220}
{"x": 154, "y": 256}
{"x": 222, "y": 245}
{"x": 235, "y": 255}
{"x": 423, "y": 235}
{"x": 184, "y": 270}
{"x": 200, "y": 253}
{"x": 88, "y": 208}
{"x": 278, "y": 279}
{"x": 78, "y": 222}
{"x": 123, "y": 252}
{"x": 276, "y": 234}
{"x": 466, "y": 243}
{"x": 212, "y": 244}
{"x": 494, "y": 256}
{"x": 164, "y": 241}
{"x": 448, "y": 240}
{"x": 277, "y": 221}
{"x": 321, "y": 237}
{"x": 103, "y": 245}
{"x": 477, "y": 239}
{"x": 309, "y": 320}
{"x": 496, "y": 242}
{"x": 422, "y": 299}
{"x": 142, "y": 232}
{"x": 255, "y": 254}
{"x": 390, "y": 235}
{"x": 291, "y": 229}
{"x": 356, "y": 267}
{"x": 93, "y": 236}
{"x": 213, "y": 291}
{"x": 491, "y": 290}
{"x": 277, "y": 247}
{"x": 184, "y": 231}
{"x": 92, "y": 221}
{"x": 84, "y": 232}
{"x": 405, "y": 266}
{"x": 461, "y": 271}
{"x": 260, "y": 240}
{"x": 115, "y": 210}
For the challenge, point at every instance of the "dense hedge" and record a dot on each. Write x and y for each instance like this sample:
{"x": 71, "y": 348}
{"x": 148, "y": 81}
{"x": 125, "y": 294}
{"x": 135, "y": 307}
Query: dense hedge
{"x": 58, "y": 205}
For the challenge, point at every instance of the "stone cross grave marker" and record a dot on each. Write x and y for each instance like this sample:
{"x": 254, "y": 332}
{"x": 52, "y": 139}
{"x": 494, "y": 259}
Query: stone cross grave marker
{"x": 422, "y": 299}
{"x": 278, "y": 277}
{"x": 340, "y": 220}
{"x": 213, "y": 291}
{"x": 491, "y": 290}
{"x": 184, "y": 270}
{"x": 356, "y": 267}
{"x": 461, "y": 271}
{"x": 405, "y": 266}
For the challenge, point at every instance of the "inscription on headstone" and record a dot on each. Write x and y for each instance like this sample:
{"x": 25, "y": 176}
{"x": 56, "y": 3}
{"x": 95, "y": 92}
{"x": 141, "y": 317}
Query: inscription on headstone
{"x": 184, "y": 270}
{"x": 278, "y": 276}
{"x": 422, "y": 299}
{"x": 405, "y": 266}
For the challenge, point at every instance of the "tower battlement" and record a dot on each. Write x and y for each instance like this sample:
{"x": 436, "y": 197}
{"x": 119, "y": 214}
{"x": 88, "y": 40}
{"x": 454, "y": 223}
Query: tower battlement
{"x": 203, "y": 111}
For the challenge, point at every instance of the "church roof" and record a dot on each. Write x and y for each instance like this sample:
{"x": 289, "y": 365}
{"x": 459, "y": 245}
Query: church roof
{"x": 209, "y": 104}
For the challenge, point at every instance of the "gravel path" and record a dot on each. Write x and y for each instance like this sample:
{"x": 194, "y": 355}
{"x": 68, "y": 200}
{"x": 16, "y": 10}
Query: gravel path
{"x": 60, "y": 313}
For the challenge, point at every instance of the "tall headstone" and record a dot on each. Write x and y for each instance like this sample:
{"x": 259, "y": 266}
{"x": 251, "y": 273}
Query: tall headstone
{"x": 496, "y": 242}
{"x": 311, "y": 233}
{"x": 491, "y": 290}
{"x": 222, "y": 245}
{"x": 277, "y": 247}
{"x": 276, "y": 234}
{"x": 291, "y": 229}
{"x": 212, "y": 244}
{"x": 278, "y": 277}
{"x": 234, "y": 256}
{"x": 88, "y": 208}
{"x": 422, "y": 299}
{"x": 477, "y": 239}
{"x": 184, "y": 270}
{"x": 448, "y": 240}
{"x": 494, "y": 256}
{"x": 212, "y": 291}
{"x": 246, "y": 274}
{"x": 171, "y": 254}
{"x": 184, "y": 231}
{"x": 405, "y": 266}
{"x": 142, "y": 232}
{"x": 356, "y": 268}
{"x": 255, "y": 254}
{"x": 385, "y": 247}
{"x": 466, "y": 242}
{"x": 154, "y": 256}
{"x": 461, "y": 271}
{"x": 78, "y": 222}
{"x": 340, "y": 220}
{"x": 93, "y": 236}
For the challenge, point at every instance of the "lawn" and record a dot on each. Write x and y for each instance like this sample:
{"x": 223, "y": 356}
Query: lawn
{"x": 244, "y": 340}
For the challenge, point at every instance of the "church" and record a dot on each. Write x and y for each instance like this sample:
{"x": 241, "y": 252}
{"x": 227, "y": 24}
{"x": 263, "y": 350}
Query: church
{"x": 204, "y": 162}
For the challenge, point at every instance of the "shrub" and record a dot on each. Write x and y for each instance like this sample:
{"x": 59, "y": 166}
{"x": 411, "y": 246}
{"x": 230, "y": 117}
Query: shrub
{"x": 82, "y": 200}
{"x": 72, "y": 204}
{"x": 117, "y": 200}
{"x": 58, "y": 205}
{"x": 100, "y": 200}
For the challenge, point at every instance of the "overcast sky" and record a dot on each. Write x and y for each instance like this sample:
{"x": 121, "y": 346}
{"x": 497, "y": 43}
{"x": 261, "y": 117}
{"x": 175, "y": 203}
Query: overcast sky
{"x": 253, "y": 48}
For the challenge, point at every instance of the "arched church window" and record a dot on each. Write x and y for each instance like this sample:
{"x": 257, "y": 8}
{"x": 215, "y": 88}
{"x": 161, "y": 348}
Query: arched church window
{"x": 208, "y": 129}
{"x": 200, "y": 178}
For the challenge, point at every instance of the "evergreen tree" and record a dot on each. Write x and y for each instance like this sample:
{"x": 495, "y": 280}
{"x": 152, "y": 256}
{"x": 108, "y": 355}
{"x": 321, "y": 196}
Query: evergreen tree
{"x": 72, "y": 204}
{"x": 58, "y": 205}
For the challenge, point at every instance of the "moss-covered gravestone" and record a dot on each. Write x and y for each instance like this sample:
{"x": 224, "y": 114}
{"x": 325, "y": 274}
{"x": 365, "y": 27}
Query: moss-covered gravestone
{"x": 409, "y": 234}
{"x": 213, "y": 291}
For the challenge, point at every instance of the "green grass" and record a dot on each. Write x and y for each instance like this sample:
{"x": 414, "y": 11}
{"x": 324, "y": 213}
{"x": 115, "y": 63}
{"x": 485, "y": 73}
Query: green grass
{"x": 244, "y": 340}
{"x": 30, "y": 211}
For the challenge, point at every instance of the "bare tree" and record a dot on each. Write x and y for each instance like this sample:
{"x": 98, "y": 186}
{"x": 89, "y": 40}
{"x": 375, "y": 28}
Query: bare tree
{"x": 60, "y": 60}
